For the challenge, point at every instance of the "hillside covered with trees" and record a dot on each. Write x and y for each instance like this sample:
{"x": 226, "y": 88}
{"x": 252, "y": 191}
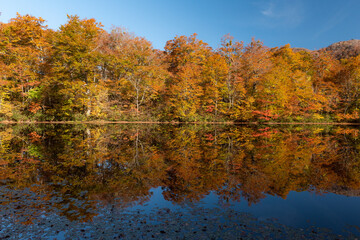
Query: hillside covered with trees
{"x": 83, "y": 72}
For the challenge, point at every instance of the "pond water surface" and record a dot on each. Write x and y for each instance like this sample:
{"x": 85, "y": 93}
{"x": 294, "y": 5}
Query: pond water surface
{"x": 141, "y": 181}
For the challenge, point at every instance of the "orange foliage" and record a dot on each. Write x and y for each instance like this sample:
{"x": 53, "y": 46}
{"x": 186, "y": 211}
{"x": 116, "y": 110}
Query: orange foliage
{"x": 83, "y": 72}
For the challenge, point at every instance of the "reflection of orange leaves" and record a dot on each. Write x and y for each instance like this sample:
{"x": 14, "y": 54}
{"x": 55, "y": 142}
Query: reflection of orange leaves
{"x": 264, "y": 134}
{"x": 349, "y": 131}
{"x": 34, "y": 137}
{"x": 209, "y": 137}
{"x": 237, "y": 166}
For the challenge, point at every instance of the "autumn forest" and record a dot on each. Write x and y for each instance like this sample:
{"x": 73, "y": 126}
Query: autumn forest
{"x": 83, "y": 72}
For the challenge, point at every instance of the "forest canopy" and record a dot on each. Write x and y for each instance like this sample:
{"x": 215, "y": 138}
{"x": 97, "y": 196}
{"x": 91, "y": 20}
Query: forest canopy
{"x": 83, "y": 72}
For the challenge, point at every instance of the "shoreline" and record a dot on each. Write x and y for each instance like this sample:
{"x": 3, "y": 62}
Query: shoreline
{"x": 100, "y": 122}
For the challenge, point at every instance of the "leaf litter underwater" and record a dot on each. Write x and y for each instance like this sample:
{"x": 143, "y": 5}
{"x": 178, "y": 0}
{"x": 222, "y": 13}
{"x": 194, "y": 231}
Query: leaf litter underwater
{"x": 187, "y": 222}
{"x": 179, "y": 182}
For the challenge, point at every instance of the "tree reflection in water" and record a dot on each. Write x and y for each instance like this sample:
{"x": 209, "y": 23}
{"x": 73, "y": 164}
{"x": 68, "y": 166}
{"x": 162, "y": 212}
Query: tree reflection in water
{"x": 70, "y": 166}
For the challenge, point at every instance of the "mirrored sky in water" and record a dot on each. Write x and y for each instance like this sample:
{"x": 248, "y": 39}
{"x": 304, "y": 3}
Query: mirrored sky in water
{"x": 300, "y": 175}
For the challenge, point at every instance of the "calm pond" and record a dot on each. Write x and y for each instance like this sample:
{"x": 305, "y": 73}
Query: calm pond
{"x": 144, "y": 181}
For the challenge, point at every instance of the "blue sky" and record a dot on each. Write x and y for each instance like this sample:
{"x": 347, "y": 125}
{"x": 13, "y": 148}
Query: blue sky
{"x": 311, "y": 24}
